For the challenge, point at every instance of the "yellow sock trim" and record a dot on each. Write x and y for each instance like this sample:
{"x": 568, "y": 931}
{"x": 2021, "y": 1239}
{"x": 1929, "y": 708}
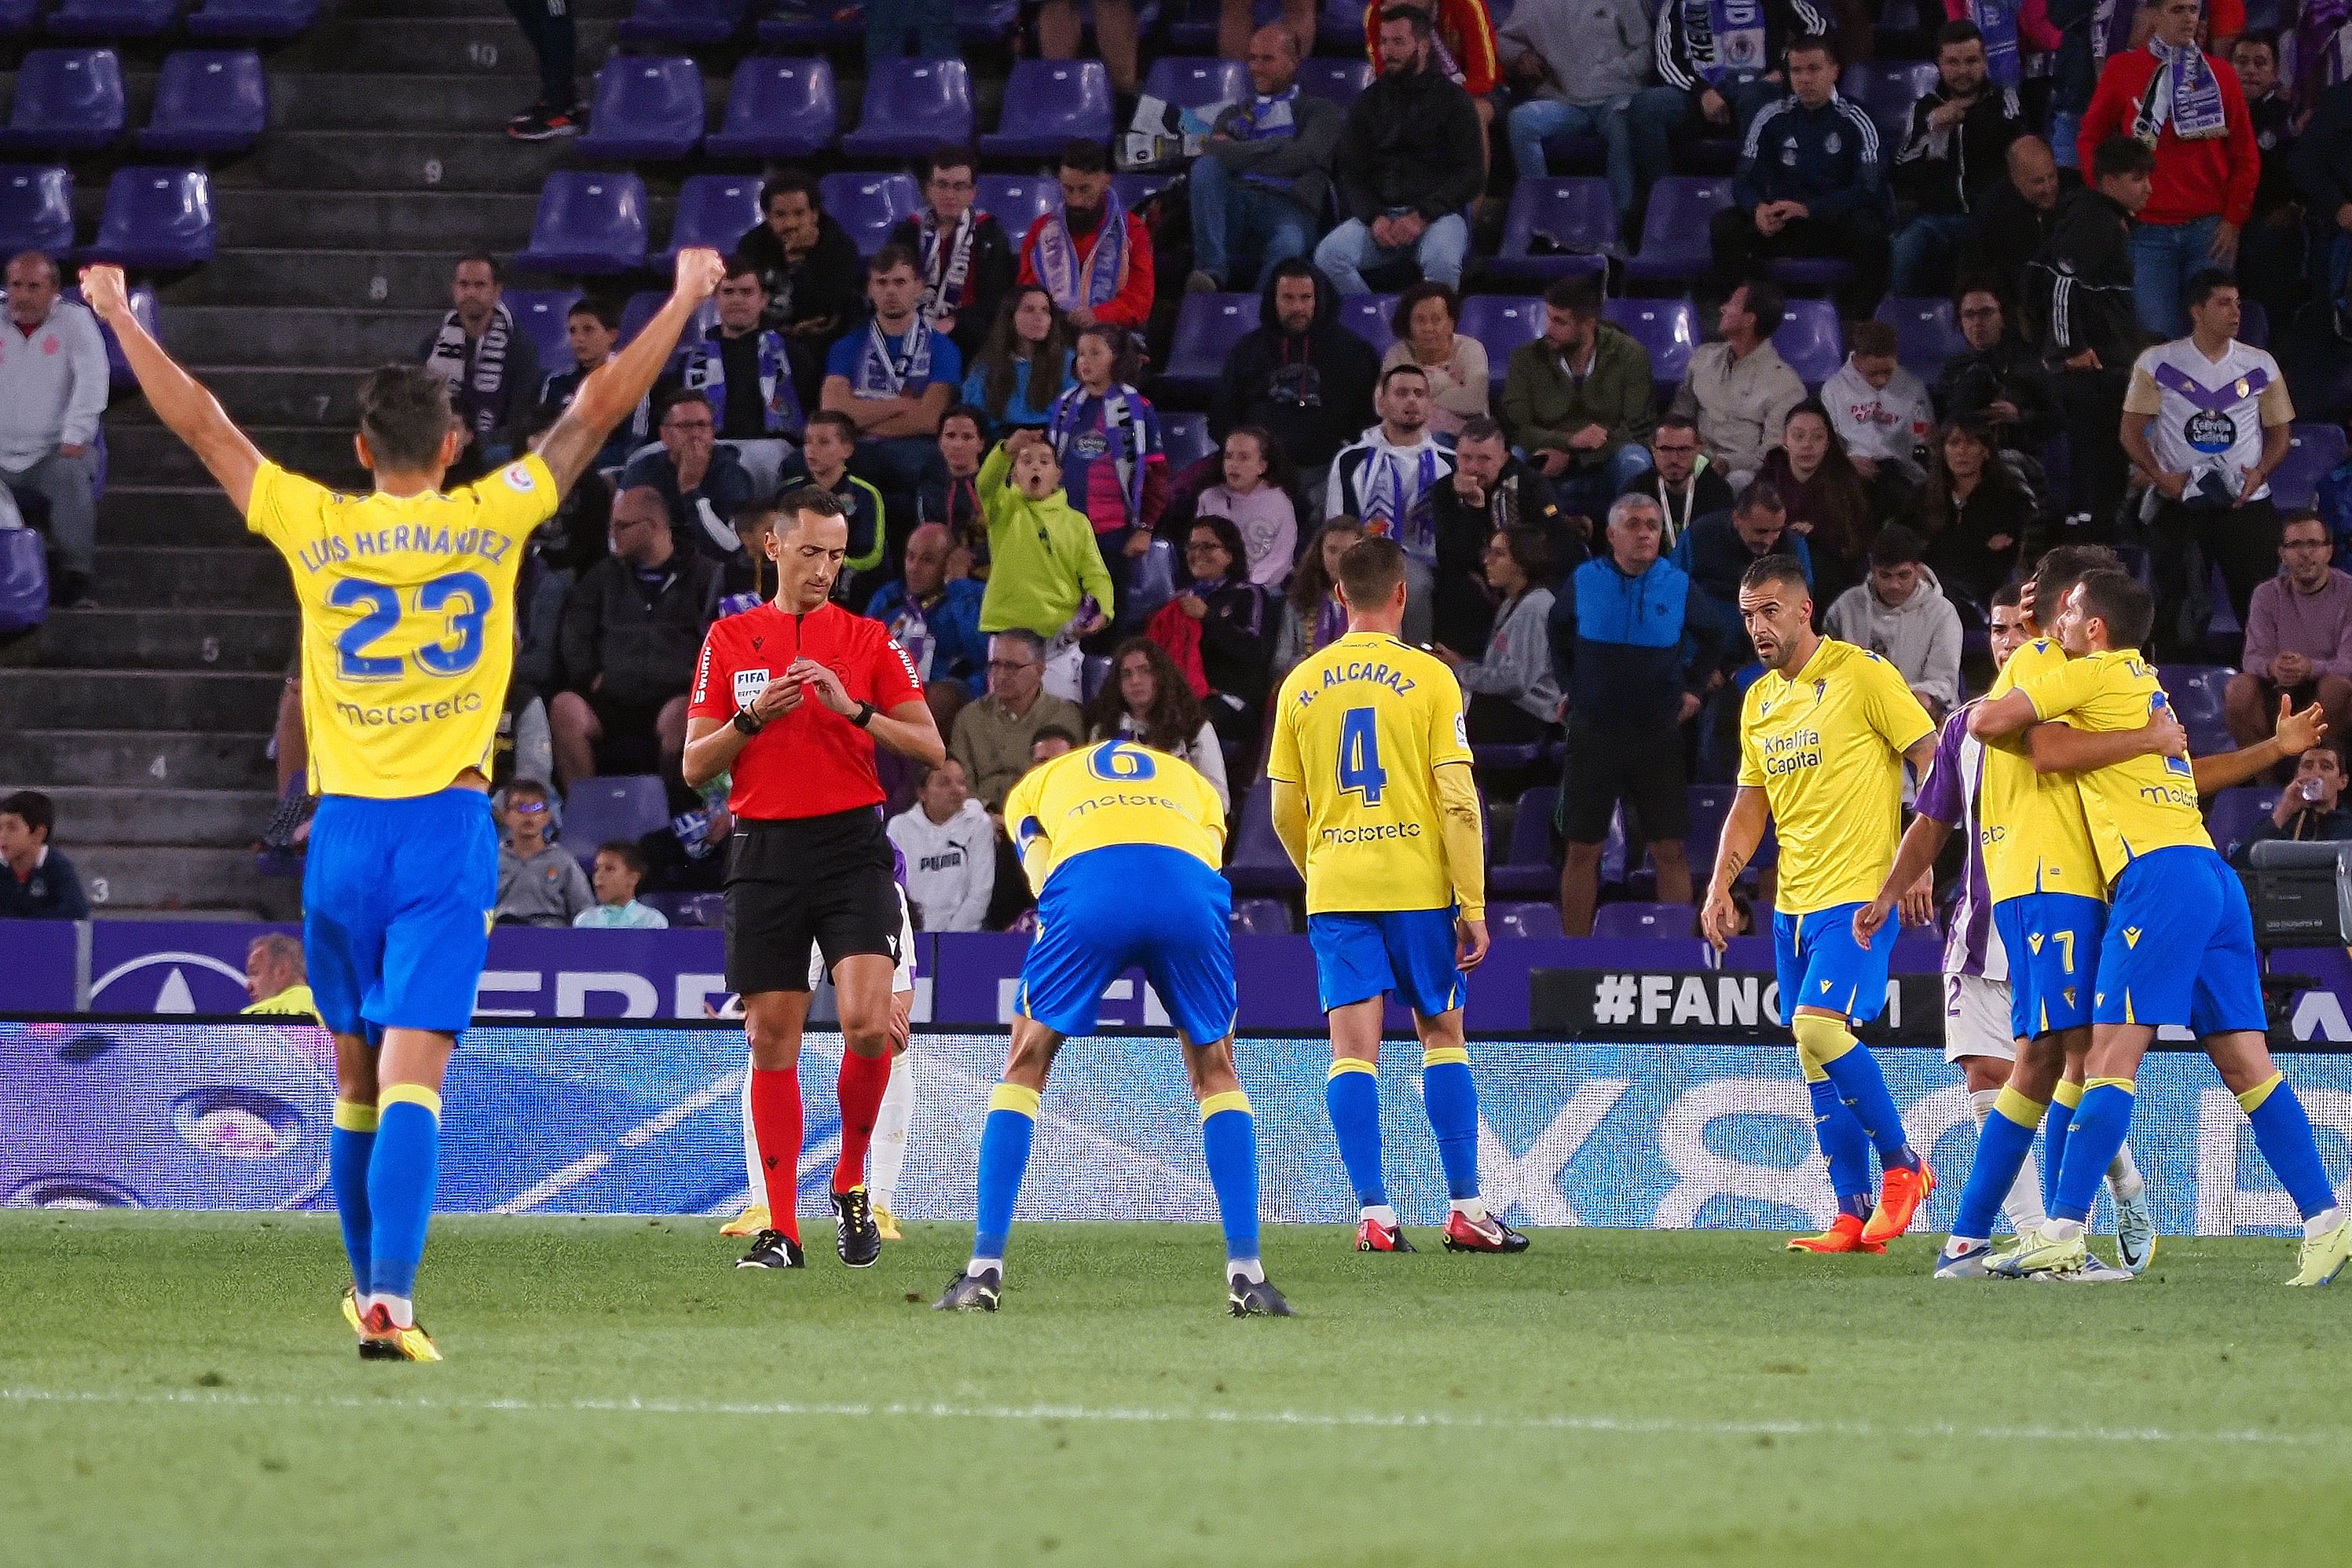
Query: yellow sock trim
{"x": 2022, "y": 1109}
{"x": 351, "y": 1116}
{"x": 1353, "y": 1064}
{"x": 1013, "y": 1097}
{"x": 409, "y": 1094}
{"x": 1232, "y": 1099}
{"x": 1433, "y": 1056}
{"x": 2068, "y": 1094}
{"x": 2122, "y": 1083}
{"x": 2260, "y": 1092}
{"x": 1820, "y": 1040}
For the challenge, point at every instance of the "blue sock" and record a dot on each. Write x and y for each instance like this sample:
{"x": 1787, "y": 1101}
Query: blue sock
{"x": 2002, "y": 1149}
{"x": 1860, "y": 1084}
{"x": 1845, "y": 1146}
{"x": 405, "y": 1168}
{"x": 1004, "y": 1140}
{"x": 1229, "y": 1141}
{"x": 1353, "y": 1095}
{"x": 2283, "y": 1132}
{"x": 2057, "y": 1125}
{"x": 2102, "y": 1123}
{"x": 1452, "y": 1099}
{"x": 349, "y": 1147}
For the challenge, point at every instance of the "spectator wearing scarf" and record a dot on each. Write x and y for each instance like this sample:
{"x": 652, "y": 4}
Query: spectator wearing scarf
{"x": 1093, "y": 255}
{"x": 894, "y": 376}
{"x": 1260, "y": 185}
{"x": 746, "y": 372}
{"x": 1390, "y": 479}
{"x": 1106, "y": 437}
{"x": 491, "y": 367}
{"x": 2187, "y": 108}
{"x": 963, "y": 256}
{"x": 2019, "y": 40}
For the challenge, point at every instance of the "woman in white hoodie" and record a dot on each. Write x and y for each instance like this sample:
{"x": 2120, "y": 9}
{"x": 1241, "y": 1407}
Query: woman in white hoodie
{"x": 950, "y": 850}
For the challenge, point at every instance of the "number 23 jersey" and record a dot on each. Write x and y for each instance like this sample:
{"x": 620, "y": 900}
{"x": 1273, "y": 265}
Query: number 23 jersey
{"x": 1361, "y": 727}
{"x": 408, "y": 624}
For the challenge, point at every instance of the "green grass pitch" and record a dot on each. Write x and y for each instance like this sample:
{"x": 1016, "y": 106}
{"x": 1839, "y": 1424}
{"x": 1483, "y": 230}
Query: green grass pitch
{"x": 179, "y": 1388}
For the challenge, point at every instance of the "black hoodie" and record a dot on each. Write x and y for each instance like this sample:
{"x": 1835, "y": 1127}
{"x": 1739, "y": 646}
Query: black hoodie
{"x": 1313, "y": 390}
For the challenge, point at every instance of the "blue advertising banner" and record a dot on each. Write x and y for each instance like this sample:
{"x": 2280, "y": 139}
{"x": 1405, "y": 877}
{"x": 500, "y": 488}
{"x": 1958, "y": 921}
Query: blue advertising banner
{"x": 36, "y": 966}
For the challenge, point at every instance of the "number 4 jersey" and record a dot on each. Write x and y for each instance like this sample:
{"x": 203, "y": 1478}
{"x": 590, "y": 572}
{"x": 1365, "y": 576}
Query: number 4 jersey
{"x": 408, "y": 621}
{"x": 1362, "y": 728}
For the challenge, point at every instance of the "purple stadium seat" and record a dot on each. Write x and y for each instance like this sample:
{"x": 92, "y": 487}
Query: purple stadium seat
{"x": 2196, "y": 691}
{"x": 24, "y": 580}
{"x": 1016, "y": 201}
{"x": 18, "y": 16}
{"x": 208, "y": 100}
{"x": 35, "y": 209}
{"x": 1675, "y": 244}
{"x": 1338, "y": 80}
{"x": 2312, "y": 452}
{"x": 1502, "y": 324}
{"x": 2235, "y": 813}
{"x": 112, "y": 19}
{"x": 1526, "y": 870}
{"x": 1925, "y": 335}
{"x": 1047, "y": 103}
{"x": 1196, "y": 83}
{"x": 1519, "y": 921}
{"x": 713, "y": 210}
{"x": 157, "y": 217}
{"x": 708, "y": 910}
{"x": 913, "y": 105}
{"x": 690, "y": 22}
{"x": 979, "y": 22}
{"x": 587, "y": 223}
{"x": 778, "y": 109}
{"x": 1575, "y": 217}
{"x": 252, "y": 20}
{"x": 1810, "y": 339}
{"x": 1808, "y": 274}
{"x": 1207, "y": 327}
{"x": 1260, "y": 917}
{"x": 1367, "y": 316}
{"x": 1260, "y": 863}
{"x": 544, "y": 315}
{"x": 868, "y": 204}
{"x": 1185, "y": 438}
{"x": 1622, "y": 920}
{"x": 68, "y": 99}
{"x": 142, "y": 305}
{"x": 2253, "y": 324}
{"x": 635, "y": 311}
{"x": 1668, "y": 328}
{"x": 1136, "y": 191}
{"x": 811, "y": 25}
{"x": 615, "y": 805}
{"x": 647, "y": 106}
{"x": 1886, "y": 89}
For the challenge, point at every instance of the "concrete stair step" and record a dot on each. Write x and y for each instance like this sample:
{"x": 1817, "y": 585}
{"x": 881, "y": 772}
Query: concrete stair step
{"x": 209, "y": 638}
{"x": 134, "y": 515}
{"x": 385, "y": 219}
{"x": 172, "y": 877}
{"x": 465, "y": 45}
{"x": 157, "y": 456}
{"x": 68, "y": 699}
{"x": 269, "y": 395}
{"x": 341, "y": 99}
{"x": 158, "y": 759}
{"x": 119, "y": 816}
{"x": 485, "y": 160}
{"x": 217, "y": 334}
{"x": 249, "y": 576}
{"x": 356, "y": 279}
{"x": 482, "y": 10}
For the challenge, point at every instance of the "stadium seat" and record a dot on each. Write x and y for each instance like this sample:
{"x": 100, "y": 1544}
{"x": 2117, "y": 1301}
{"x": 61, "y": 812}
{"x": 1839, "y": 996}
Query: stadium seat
{"x": 208, "y": 100}
{"x": 713, "y": 210}
{"x": 117, "y": 368}
{"x": 24, "y": 580}
{"x": 1207, "y": 327}
{"x": 979, "y": 22}
{"x": 778, "y": 109}
{"x": 1338, "y": 80}
{"x": 591, "y": 223}
{"x": 1502, "y": 324}
{"x": 1136, "y": 191}
{"x": 112, "y": 19}
{"x": 1710, "y": 806}
{"x": 35, "y": 209}
{"x": 1518, "y": 921}
{"x": 1185, "y": 436}
{"x": 1526, "y": 872}
{"x": 1675, "y": 244}
{"x": 1642, "y": 919}
{"x": 1193, "y": 83}
{"x": 1260, "y": 917}
{"x": 647, "y": 106}
{"x": 252, "y": 20}
{"x": 1810, "y": 339}
{"x": 2234, "y": 815}
{"x": 1368, "y": 317}
{"x": 1668, "y": 328}
{"x": 617, "y": 805}
{"x": 2312, "y": 452}
{"x": 66, "y": 100}
{"x": 1048, "y": 103}
{"x": 1260, "y": 863}
{"x": 2196, "y": 691}
{"x": 1016, "y": 201}
{"x": 811, "y": 25}
{"x": 1925, "y": 335}
{"x": 1808, "y": 274}
{"x": 1573, "y": 214}
{"x": 868, "y": 205}
{"x": 691, "y": 22}
{"x": 18, "y": 16}
{"x": 1886, "y": 89}
{"x": 913, "y": 105}
{"x": 646, "y": 303}
{"x": 156, "y": 218}
{"x": 544, "y": 315}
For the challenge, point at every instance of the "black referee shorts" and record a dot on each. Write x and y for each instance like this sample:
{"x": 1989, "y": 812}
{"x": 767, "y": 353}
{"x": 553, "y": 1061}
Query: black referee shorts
{"x": 1644, "y": 768}
{"x": 822, "y": 879}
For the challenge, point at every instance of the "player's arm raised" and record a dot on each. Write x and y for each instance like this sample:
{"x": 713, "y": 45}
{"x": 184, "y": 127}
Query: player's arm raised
{"x": 179, "y": 400}
{"x": 614, "y": 389}
{"x": 1743, "y": 830}
{"x": 2296, "y": 733}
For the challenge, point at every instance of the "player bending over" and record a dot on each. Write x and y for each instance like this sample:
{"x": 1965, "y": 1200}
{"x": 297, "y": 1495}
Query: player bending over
{"x": 407, "y": 600}
{"x": 1823, "y": 736}
{"x": 2180, "y": 941}
{"x": 1121, "y": 844}
{"x": 1373, "y": 800}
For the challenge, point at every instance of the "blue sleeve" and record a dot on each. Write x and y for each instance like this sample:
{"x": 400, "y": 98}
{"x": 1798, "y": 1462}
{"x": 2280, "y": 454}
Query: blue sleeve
{"x": 1147, "y": 424}
{"x": 842, "y": 358}
{"x": 946, "y": 362}
{"x": 878, "y": 609}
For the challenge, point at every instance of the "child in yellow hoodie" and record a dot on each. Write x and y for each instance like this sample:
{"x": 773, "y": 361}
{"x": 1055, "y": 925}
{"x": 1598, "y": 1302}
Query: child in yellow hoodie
{"x": 1045, "y": 573}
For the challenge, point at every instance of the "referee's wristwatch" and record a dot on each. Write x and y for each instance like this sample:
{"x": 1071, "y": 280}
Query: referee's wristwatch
{"x": 745, "y": 722}
{"x": 864, "y": 716}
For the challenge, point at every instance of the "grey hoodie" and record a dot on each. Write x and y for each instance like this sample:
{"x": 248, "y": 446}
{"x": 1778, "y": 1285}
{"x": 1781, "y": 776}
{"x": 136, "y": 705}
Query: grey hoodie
{"x": 1518, "y": 664}
{"x": 950, "y": 865}
{"x": 1920, "y": 636}
{"x": 1598, "y": 49}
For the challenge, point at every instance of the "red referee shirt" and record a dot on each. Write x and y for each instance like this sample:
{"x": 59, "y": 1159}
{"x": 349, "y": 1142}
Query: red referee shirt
{"x": 811, "y": 762}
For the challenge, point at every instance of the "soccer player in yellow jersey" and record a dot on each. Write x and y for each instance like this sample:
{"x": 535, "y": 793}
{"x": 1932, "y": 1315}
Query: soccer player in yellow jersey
{"x": 1374, "y": 799}
{"x": 1121, "y": 844}
{"x": 407, "y": 597}
{"x": 1823, "y": 736}
{"x": 2180, "y": 941}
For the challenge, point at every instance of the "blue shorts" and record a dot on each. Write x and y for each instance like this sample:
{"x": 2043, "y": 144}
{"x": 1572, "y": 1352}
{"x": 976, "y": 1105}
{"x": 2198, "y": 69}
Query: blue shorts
{"x": 1408, "y": 952}
{"x": 1111, "y": 908}
{"x": 2180, "y": 946}
{"x": 1820, "y": 966}
{"x": 2053, "y": 942}
{"x": 396, "y": 903}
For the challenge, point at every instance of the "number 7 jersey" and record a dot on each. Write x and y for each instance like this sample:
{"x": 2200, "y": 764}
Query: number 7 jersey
{"x": 1362, "y": 728}
{"x": 408, "y": 621}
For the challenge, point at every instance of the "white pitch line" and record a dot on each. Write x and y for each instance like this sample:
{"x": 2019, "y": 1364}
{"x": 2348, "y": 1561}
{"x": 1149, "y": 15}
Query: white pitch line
{"x": 1136, "y": 1415}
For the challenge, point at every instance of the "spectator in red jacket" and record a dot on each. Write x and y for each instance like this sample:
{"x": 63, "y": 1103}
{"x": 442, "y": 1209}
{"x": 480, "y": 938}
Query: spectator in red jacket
{"x": 1093, "y": 255}
{"x": 2172, "y": 97}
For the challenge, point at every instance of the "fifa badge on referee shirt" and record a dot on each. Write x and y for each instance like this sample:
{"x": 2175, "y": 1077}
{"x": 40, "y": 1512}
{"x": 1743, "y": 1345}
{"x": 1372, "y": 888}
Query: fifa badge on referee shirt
{"x": 749, "y": 684}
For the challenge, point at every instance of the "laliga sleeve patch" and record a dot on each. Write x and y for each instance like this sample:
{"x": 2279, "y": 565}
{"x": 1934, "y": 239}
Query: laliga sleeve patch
{"x": 519, "y": 479}
{"x": 1460, "y": 731}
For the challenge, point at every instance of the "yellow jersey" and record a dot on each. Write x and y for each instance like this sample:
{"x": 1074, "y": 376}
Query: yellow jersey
{"x": 2034, "y": 835}
{"x": 2149, "y": 803}
{"x": 1113, "y": 791}
{"x": 1362, "y": 728}
{"x": 295, "y": 999}
{"x": 1826, "y": 747}
{"x": 408, "y": 621}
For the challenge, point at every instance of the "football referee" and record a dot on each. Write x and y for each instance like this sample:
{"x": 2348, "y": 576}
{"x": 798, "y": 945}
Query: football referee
{"x": 791, "y": 697}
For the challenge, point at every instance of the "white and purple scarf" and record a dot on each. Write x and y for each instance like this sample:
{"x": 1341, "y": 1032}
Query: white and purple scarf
{"x": 947, "y": 264}
{"x": 1996, "y": 20}
{"x": 475, "y": 393}
{"x": 881, "y": 373}
{"x": 780, "y": 405}
{"x": 2185, "y": 92}
{"x": 1096, "y": 281}
{"x": 1399, "y": 504}
{"x": 1729, "y": 34}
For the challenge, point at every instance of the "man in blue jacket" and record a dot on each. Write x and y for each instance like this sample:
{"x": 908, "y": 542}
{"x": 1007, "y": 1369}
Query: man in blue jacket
{"x": 935, "y": 617}
{"x": 1632, "y": 646}
{"x": 1811, "y": 181}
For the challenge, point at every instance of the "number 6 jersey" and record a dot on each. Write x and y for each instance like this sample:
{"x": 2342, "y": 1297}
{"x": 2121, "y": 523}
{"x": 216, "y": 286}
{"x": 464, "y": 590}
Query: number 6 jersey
{"x": 407, "y": 620}
{"x": 1362, "y": 728}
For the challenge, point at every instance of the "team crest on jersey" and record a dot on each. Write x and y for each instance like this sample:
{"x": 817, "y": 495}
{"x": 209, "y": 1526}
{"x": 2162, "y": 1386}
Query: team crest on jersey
{"x": 749, "y": 684}
{"x": 519, "y": 479}
{"x": 1831, "y": 144}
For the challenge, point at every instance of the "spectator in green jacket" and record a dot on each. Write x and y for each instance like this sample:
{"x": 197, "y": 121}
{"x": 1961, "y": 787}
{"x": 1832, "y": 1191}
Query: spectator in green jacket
{"x": 1578, "y": 400}
{"x": 1046, "y": 574}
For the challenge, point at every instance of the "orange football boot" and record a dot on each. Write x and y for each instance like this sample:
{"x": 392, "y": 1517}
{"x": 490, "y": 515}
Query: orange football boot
{"x": 1899, "y": 1197}
{"x": 1844, "y": 1234}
